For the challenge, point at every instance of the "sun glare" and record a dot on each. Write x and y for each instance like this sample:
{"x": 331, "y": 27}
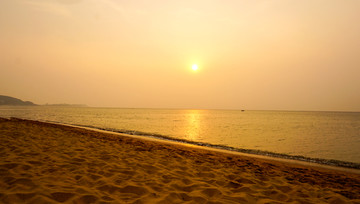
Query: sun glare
{"x": 194, "y": 67}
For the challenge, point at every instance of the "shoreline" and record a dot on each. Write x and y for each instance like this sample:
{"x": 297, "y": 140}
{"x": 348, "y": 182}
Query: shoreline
{"x": 250, "y": 152}
{"x": 50, "y": 163}
{"x": 326, "y": 163}
{"x": 302, "y": 160}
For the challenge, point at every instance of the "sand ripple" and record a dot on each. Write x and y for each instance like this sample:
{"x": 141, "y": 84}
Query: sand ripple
{"x": 46, "y": 163}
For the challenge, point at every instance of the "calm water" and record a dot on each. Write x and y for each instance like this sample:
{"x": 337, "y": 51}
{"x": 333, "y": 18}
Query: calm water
{"x": 328, "y": 135}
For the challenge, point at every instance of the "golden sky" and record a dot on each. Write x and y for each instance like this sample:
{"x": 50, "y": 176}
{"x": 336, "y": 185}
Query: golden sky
{"x": 253, "y": 54}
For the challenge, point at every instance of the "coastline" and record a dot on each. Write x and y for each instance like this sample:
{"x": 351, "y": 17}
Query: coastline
{"x": 327, "y": 138}
{"x": 297, "y": 159}
{"x": 326, "y": 163}
{"x": 45, "y": 162}
{"x": 322, "y": 162}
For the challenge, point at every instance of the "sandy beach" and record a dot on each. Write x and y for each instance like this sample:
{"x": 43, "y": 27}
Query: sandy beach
{"x": 49, "y": 163}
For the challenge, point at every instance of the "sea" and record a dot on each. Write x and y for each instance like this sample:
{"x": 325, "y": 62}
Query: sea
{"x": 331, "y": 138}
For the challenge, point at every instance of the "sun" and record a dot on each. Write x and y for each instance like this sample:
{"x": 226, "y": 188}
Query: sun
{"x": 194, "y": 67}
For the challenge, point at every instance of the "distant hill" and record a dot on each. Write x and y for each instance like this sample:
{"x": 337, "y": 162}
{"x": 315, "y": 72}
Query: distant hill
{"x": 11, "y": 101}
{"x": 65, "y": 104}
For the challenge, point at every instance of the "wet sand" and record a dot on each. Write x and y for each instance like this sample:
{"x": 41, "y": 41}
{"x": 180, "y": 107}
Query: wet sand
{"x": 49, "y": 163}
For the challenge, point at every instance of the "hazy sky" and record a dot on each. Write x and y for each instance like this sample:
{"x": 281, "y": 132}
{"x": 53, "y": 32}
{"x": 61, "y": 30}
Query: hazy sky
{"x": 253, "y": 54}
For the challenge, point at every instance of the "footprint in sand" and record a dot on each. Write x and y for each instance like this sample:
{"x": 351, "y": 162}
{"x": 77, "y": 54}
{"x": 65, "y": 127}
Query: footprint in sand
{"x": 87, "y": 199}
{"x": 61, "y": 196}
{"x": 211, "y": 192}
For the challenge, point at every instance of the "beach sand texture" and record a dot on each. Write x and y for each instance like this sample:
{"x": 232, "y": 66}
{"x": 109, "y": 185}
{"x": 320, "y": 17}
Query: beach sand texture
{"x": 48, "y": 163}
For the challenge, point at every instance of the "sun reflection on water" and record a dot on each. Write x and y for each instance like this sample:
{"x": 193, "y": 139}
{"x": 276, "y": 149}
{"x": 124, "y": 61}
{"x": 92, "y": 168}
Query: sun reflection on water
{"x": 193, "y": 118}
